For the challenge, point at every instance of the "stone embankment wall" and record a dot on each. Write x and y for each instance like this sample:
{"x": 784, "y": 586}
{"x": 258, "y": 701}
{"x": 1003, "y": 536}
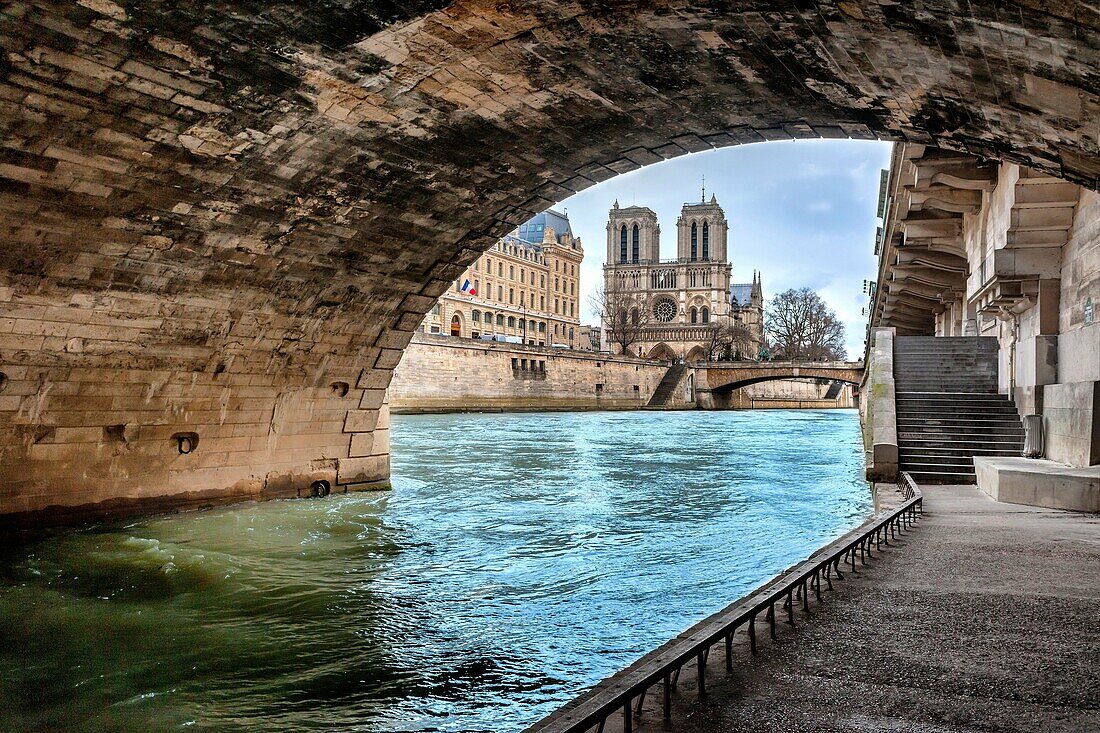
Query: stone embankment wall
{"x": 442, "y": 374}
{"x": 791, "y": 394}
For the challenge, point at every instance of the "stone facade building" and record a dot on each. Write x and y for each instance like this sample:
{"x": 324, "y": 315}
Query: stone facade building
{"x": 525, "y": 289}
{"x": 683, "y": 299}
{"x": 971, "y": 247}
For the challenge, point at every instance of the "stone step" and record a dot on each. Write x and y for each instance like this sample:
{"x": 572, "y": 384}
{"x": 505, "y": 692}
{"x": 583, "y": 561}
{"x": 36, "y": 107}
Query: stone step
{"x": 967, "y": 452}
{"x": 921, "y": 466}
{"x": 997, "y": 413}
{"x": 979, "y": 437}
{"x": 942, "y": 477}
{"x": 934, "y": 427}
{"x": 947, "y": 408}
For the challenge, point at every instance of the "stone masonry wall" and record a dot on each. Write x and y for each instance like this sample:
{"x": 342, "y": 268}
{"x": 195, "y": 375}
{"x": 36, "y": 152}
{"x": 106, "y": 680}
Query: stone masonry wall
{"x": 1071, "y": 408}
{"x": 446, "y": 374}
{"x": 223, "y": 221}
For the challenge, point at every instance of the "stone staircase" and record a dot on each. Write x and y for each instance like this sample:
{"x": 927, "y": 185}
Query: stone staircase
{"x": 668, "y": 383}
{"x": 948, "y": 407}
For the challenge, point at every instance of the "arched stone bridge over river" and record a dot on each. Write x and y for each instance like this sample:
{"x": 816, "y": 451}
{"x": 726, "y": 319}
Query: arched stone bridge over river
{"x": 222, "y": 222}
{"x": 715, "y": 381}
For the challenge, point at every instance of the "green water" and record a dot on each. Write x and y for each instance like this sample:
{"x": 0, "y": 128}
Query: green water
{"x": 518, "y": 560}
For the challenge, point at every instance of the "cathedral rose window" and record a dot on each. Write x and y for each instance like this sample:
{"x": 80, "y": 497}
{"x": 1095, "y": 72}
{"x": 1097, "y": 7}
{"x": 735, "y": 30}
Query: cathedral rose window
{"x": 664, "y": 310}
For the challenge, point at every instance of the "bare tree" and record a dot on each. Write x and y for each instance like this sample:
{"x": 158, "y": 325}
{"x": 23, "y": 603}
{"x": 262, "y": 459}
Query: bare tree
{"x": 730, "y": 341}
{"x": 802, "y": 327}
{"x": 624, "y": 318}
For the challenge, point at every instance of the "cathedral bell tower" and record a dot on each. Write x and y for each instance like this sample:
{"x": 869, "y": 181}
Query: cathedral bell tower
{"x": 701, "y": 232}
{"x": 633, "y": 235}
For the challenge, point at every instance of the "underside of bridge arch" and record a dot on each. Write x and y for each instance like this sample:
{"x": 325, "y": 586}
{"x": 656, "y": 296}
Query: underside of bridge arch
{"x": 223, "y": 221}
{"x": 802, "y": 374}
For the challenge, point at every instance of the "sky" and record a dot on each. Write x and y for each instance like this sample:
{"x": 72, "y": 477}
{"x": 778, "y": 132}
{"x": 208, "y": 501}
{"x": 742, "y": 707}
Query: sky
{"x": 802, "y": 212}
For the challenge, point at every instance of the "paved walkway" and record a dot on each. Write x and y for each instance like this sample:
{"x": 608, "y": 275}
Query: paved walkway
{"x": 988, "y": 619}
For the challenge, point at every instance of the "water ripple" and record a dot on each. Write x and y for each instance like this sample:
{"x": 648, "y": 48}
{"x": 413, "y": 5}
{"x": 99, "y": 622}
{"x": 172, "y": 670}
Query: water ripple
{"x": 518, "y": 560}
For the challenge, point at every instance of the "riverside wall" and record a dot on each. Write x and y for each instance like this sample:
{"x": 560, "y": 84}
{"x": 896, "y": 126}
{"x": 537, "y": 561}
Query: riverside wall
{"x": 445, "y": 374}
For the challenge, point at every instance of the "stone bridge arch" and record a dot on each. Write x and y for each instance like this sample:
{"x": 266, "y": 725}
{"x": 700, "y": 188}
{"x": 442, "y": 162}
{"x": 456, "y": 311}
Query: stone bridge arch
{"x": 227, "y": 222}
{"x": 723, "y": 378}
{"x": 716, "y": 381}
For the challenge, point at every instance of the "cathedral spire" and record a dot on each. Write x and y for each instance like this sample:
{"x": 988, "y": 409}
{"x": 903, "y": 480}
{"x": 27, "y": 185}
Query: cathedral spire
{"x": 703, "y": 199}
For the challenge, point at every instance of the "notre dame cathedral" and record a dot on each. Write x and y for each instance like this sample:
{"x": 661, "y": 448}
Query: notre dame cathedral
{"x": 678, "y": 303}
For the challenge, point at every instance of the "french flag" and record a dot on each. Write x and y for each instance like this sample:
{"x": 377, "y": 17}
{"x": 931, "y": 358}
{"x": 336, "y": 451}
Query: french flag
{"x": 468, "y": 288}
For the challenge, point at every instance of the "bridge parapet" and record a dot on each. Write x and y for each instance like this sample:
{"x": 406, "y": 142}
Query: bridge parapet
{"x": 728, "y": 376}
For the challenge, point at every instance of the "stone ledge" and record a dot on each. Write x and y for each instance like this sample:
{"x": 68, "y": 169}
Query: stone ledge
{"x": 1039, "y": 482}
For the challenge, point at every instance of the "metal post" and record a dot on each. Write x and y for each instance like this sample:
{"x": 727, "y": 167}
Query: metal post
{"x": 668, "y": 696}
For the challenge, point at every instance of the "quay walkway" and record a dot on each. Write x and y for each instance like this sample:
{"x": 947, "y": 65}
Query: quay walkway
{"x": 985, "y": 620}
{"x": 981, "y": 618}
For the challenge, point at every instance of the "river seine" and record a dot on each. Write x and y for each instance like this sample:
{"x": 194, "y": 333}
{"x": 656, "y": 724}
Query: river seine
{"x": 519, "y": 559}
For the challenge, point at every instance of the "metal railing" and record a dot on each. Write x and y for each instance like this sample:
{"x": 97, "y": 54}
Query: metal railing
{"x": 625, "y": 693}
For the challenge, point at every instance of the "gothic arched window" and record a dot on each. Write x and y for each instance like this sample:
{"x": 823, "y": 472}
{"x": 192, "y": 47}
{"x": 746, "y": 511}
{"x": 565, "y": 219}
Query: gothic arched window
{"x": 694, "y": 315}
{"x": 694, "y": 242}
{"x": 706, "y": 241}
{"x": 622, "y": 244}
{"x": 706, "y": 315}
{"x": 634, "y": 246}
{"x": 634, "y": 315}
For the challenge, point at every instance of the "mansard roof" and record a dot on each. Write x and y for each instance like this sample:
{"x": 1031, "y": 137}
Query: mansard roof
{"x": 532, "y": 230}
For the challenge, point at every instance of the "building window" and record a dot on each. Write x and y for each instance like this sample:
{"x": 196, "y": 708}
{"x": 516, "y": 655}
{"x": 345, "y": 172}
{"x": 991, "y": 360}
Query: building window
{"x": 556, "y": 306}
{"x": 500, "y": 269}
{"x": 542, "y": 328}
{"x": 634, "y": 315}
{"x": 435, "y": 309}
{"x": 571, "y": 310}
{"x": 511, "y": 295}
{"x": 500, "y": 319}
{"x": 622, "y": 244}
{"x": 511, "y": 272}
{"x": 706, "y": 242}
{"x": 542, "y": 302}
{"x": 572, "y": 288}
{"x": 634, "y": 244}
{"x": 556, "y": 284}
{"x": 531, "y": 325}
{"x": 542, "y": 281}
{"x": 694, "y": 242}
{"x": 477, "y": 286}
{"x": 500, "y": 292}
{"x": 511, "y": 321}
{"x": 694, "y": 315}
{"x": 475, "y": 316}
{"x": 706, "y": 315}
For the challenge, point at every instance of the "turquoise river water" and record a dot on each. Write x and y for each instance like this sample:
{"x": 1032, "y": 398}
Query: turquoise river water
{"x": 518, "y": 560}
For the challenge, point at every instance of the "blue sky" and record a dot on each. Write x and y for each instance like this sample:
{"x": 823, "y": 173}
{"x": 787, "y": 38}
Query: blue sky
{"x": 802, "y": 212}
